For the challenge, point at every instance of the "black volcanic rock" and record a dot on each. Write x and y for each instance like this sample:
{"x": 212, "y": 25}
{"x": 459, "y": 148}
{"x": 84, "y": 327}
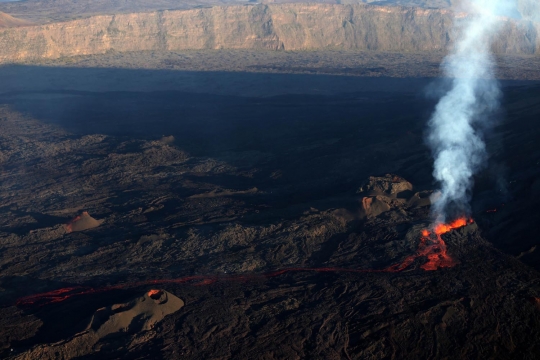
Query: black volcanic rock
{"x": 252, "y": 217}
{"x": 138, "y": 315}
{"x": 390, "y": 184}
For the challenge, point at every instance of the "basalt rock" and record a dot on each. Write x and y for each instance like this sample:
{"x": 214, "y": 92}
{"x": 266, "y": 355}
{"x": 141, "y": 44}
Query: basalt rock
{"x": 138, "y": 315}
{"x": 390, "y": 185}
{"x": 270, "y": 27}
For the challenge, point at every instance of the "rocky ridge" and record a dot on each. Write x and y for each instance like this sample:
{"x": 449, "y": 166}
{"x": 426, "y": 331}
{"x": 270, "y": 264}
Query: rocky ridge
{"x": 270, "y": 27}
{"x": 8, "y": 21}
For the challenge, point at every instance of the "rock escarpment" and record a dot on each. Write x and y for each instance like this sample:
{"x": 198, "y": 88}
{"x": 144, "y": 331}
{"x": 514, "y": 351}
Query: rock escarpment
{"x": 271, "y": 27}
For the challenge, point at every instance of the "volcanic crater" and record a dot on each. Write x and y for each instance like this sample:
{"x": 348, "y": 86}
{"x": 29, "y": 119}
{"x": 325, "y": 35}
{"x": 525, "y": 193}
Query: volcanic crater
{"x": 195, "y": 195}
{"x": 313, "y": 244}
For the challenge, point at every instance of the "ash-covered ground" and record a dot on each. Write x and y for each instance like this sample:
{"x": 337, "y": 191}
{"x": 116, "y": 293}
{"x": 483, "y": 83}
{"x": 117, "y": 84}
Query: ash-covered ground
{"x": 255, "y": 217}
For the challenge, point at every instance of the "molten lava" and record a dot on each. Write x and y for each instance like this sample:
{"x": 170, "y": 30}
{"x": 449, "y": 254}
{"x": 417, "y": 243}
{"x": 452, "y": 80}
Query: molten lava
{"x": 444, "y": 228}
{"x": 154, "y": 292}
{"x": 431, "y": 246}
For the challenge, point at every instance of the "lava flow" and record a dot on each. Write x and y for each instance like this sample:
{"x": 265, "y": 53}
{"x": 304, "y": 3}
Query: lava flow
{"x": 444, "y": 228}
{"x": 432, "y": 247}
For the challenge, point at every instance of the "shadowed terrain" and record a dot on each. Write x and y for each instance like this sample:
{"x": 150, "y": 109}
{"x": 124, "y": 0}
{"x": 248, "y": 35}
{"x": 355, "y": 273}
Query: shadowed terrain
{"x": 256, "y": 210}
{"x": 208, "y": 179}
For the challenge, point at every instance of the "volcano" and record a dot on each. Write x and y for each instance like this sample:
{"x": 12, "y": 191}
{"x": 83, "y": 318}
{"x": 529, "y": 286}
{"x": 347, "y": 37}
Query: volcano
{"x": 139, "y": 314}
{"x": 82, "y": 222}
{"x": 294, "y": 222}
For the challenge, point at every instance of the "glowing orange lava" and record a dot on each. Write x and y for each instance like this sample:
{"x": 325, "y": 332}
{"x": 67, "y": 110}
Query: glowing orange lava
{"x": 444, "y": 228}
{"x": 432, "y": 247}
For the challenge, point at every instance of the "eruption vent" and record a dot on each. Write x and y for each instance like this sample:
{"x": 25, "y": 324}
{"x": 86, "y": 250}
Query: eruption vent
{"x": 455, "y": 134}
{"x": 431, "y": 248}
{"x": 82, "y": 222}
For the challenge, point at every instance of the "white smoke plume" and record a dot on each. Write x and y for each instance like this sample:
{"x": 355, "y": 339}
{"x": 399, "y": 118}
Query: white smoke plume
{"x": 455, "y": 129}
{"x": 529, "y": 10}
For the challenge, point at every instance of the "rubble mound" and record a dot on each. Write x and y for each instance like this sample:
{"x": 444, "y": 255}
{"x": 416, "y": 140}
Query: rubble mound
{"x": 375, "y": 205}
{"x": 82, "y": 222}
{"x": 389, "y": 185}
{"x": 167, "y": 140}
{"x": 140, "y": 314}
{"x": 390, "y": 192}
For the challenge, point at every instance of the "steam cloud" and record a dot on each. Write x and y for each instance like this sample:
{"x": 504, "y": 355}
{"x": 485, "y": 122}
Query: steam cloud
{"x": 529, "y": 9}
{"x": 455, "y": 129}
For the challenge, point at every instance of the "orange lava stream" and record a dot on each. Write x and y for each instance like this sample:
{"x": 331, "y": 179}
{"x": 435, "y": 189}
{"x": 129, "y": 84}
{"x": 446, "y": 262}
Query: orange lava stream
{"x": 444, "y": 228}
{"x": 431, "y": 246}
{"x": 434, "y": 248}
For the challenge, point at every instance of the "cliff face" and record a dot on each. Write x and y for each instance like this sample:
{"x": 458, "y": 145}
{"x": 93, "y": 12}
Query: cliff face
{"x": 275, "y": 27}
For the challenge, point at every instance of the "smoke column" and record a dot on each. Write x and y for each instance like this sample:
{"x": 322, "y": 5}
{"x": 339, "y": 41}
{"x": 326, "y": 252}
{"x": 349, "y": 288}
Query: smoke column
{"x": 455, "y": 129}
{"x": 529, "y": 10}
